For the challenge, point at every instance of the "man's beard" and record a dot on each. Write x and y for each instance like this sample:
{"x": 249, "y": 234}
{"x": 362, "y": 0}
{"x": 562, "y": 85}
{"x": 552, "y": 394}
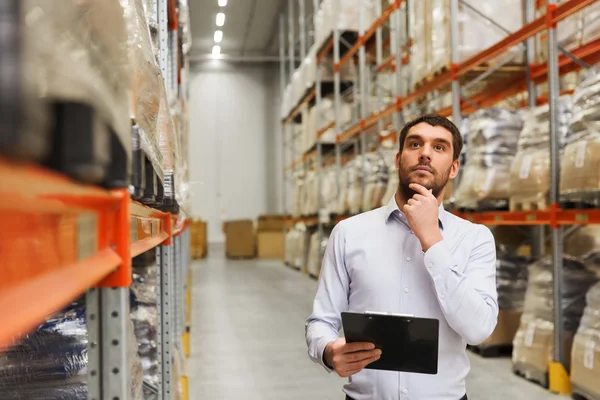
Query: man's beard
{"x": 438, "y": 184}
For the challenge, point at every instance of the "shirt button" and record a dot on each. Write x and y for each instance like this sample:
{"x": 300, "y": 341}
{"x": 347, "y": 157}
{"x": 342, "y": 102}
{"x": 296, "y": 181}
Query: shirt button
{"x": 404, "y": 391}
{"x": 442, "y": 296}
{"x": 407, "y": 258}
{"x": 405, "y": 290}
{"x": 430, "y": 265}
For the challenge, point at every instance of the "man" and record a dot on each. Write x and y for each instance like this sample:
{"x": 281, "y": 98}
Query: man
{"x": 409, "y": 257}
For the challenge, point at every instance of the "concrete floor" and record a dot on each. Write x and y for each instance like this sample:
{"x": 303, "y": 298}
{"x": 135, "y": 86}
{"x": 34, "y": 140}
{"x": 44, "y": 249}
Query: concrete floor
{"x": 248, "y": 340}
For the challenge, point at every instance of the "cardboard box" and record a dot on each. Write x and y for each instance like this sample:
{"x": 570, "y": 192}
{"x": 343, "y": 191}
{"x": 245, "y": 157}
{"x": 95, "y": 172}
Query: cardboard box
{"x": 240, "y": 240}
{"x": 270, "y": 245}
{"x": 198, "y": 240}
{"x": 585, "y": 365}
{"x": 507, "y": 326}
{"x": 533, "y": 346}
{"x": 270, "y": 223}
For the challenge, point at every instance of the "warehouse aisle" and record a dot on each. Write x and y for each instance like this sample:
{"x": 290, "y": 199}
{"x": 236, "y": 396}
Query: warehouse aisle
{"x": 248, "y": 340}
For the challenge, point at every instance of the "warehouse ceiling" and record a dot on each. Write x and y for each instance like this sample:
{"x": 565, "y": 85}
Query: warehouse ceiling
{"x": 251, "y": 27}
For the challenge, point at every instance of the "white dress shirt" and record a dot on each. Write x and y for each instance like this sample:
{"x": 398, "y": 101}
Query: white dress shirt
{"x": 373, "y": 262}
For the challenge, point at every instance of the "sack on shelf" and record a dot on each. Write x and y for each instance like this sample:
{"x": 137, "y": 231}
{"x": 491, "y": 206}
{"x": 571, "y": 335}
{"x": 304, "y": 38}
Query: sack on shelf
{"x": 585, "y": 358}
{"x": 530, "y": 170}
{"x": 317, "y": 247}
{"x": 493, "y": 135}
{"x": 376, "y": 181}
{"x": 51, "y": 362}
{"x": 532, "y": 346}
{"x": 580, "y": 171}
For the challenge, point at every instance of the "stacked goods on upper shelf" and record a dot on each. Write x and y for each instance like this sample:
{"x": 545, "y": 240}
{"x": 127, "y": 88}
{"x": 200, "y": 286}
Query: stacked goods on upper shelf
{"x": 533, "y": 343}
{"x": 144, "y": 315}
{"x": 580, "y": 175}
{"x": 585, "y": 359}
{"x": 343, "y": 15}
{"x": 311, "y": 201}
{"x": 574, "y": 31}
{"x": 493, "y": 136}
{"x": 51, "y": 363}
{"x": 320, "y": 117}
{"x": 75, "y": 74}
{"x": 530, "y": 170}
{"x": 431, "y": 49}
{"x": 299, "y": 192}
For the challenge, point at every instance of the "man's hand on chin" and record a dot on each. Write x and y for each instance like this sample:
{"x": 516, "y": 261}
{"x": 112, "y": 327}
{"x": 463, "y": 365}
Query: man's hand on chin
{"x": 422, "y": 214}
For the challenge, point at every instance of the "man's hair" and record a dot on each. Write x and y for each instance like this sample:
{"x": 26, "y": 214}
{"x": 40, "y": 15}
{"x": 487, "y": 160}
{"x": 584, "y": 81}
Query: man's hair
{"x": 435, "y": 120}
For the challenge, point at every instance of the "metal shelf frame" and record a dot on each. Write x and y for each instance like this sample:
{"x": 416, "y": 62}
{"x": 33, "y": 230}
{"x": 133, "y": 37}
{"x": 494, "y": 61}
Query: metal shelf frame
{"x": 397, "y": 16}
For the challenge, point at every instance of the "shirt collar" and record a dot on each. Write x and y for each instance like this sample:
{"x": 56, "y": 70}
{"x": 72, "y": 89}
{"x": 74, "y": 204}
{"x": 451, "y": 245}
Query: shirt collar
{"x": 391, "y": 209}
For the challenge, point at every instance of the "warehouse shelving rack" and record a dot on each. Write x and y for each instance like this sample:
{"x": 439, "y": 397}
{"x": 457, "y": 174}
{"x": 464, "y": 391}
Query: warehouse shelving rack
{"x": 401, "y": 32}
{"x": 61, "y": 239}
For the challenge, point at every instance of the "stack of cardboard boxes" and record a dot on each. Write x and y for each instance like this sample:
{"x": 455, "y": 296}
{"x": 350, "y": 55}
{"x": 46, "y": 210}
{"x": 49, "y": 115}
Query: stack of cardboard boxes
{"x": 247, "y": 239}
{"x": 198, "y": 239}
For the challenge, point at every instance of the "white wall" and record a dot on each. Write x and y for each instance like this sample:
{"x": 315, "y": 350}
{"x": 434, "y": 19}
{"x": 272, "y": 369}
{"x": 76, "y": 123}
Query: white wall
{"x": 235, "y": 166}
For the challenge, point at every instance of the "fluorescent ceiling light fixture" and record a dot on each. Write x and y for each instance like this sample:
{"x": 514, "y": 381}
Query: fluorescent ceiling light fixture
{"x": 220, "y": 19}
{"x": 216, "y": 50}
{"x": 218, "y": 36}
{"x": 222, "y": 3}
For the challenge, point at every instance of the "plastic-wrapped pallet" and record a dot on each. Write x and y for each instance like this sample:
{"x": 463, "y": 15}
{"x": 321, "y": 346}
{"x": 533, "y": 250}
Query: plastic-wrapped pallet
{"x": 317, "y": 248}
{"x": 493, "y": 136}
{"x": 585, "y": 356}
{"x": 51, "y": 362}
{"x": 532, "y": 345}
{"x": 376, "y": 181}
{"x": 310, "y": 200}
{"x": 580, "y": 175}
{"x": 343, "y": 15}
{"x": 75, "y": 52}
{"x": 301, "y": 247}
{"x": 299, "y": 194}
{"x": 147, "y": 85}
{"x": 355, "y": 185}
{"x": 291, "y": 239}
{"x": 344, "y": 185}
{"x": 329, "y": 189}
{"x": 530, "y": 170}
{"x": 144, "y": 314}
{"x": 511, "y": 280}
{"x": 389, "y": 156}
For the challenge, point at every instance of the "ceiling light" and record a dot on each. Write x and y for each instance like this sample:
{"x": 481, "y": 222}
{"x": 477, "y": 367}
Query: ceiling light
{"x": 222, "y": 3}
{"x": 216, "y": 50}
{"x": 218, "y": 36}
{"x": 220, "y": 19}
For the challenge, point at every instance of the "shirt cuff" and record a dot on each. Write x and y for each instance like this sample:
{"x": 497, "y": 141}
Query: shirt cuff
{"x": 438, "y": 261}
{"x": 321, "y": 350}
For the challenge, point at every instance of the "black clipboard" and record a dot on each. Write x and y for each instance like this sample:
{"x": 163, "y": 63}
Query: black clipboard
{"x": 407, "y": 344}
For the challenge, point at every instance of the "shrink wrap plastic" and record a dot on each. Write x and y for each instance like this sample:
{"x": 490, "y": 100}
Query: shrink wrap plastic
{"x": 475, "y": 33}
{"x": 376, "y": 181}
{"x": 580, "y": 164}
{"x": 343, "y": 15}
{"x": 389, "y": 156}
{"x": 147, "y": 85}
{"x": 585, "y": 360}
{"x": 51, "y": 362}
{"x": 74, "y": 51}
{"x": 533, "y": 342}
{"x": 511, "y": 280}
{"x": 493, "y": 136}
{"x": 317, "y": 248}
{"x": 530, "y": 170}
{"x": 144, "y": 315}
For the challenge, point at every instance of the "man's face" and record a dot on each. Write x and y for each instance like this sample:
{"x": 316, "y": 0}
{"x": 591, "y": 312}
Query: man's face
{"x": 427, "y": 159}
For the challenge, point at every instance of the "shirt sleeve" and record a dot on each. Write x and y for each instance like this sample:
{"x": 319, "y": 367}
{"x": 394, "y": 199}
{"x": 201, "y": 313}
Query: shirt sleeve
{"x": 468, "y": 300}
{"x": 324, "y": 324}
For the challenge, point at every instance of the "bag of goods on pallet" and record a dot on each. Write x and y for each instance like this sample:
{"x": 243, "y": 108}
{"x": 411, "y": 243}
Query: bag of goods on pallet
{"x": 322, "y": 116}
{"x": 298, "y": 194}
{"x": 317, "y": 249}
{"x": 389, "y": 156}
{"x": 530, "y": 170}
{"x": 51, "y": 363}
{"x": 376, "y": 180}
{"x": 533, "y": 343}
{"x": 312, "y": 192}
{"x": 144, "y": 315}
{"x": 291, "y": 245}
{"x": 355, "y": 184}
{"x": 329, "y": 189}
{"x": 580, "y": 175}
{"x": 585, "y": 356}
{"x": 343, "y": 207}
{"x": 301, "y": 247}
{"x": 493, "y": 136}
{"x": 73, "y": 65}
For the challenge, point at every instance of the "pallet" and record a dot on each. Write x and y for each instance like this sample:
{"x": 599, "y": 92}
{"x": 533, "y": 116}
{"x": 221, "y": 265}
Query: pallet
{"x": 489, "y": 351}
{"x": 578, "y": 393}
{"x": 539, "y": 377}
{"x": 531, "y": 204}
{"x": 580, "y": 200}
{"x": 239, "y": 258}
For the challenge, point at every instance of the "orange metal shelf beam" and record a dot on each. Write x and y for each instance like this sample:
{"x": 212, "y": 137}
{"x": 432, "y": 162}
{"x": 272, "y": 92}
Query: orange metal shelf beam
{"x": 544, "y": 217}
{"x": 294, "y": 113}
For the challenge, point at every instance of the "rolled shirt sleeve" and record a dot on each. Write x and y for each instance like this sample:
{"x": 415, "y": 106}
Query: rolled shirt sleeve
{"x": 468, "y": 299}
